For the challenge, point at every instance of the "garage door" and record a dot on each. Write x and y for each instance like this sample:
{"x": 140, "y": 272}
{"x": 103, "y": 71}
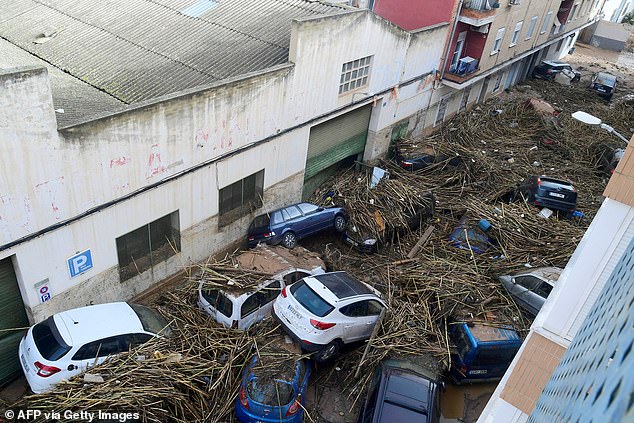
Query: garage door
{"x": 12, "y": 320}
{"x": 333, "y": 141}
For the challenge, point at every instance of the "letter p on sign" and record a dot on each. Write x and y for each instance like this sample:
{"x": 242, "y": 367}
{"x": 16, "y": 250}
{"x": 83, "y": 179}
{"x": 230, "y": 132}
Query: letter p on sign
{"x": 79, "y": 263}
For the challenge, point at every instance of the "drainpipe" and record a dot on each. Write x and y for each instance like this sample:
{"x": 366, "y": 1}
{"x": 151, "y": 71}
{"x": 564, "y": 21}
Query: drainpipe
{"x": 453, "y": 32}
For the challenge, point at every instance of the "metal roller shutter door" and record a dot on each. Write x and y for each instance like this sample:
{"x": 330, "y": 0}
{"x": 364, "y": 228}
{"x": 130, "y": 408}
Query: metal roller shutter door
{"x": 333, "y": 141}
{"x": 12, "y": 316}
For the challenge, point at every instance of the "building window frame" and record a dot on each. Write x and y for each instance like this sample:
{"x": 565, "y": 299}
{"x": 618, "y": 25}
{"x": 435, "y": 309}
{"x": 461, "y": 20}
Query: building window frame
{"x": 240, "y": 198}
{"x": 441, "y": 112}
{"x": 498, "y": 82}
{"x": 497, "y": 43}
{"x": 549, "y": 15}
{"x": 516, "y": 33}
{"x": 355, "y": 74}
{"x": 531, "y": 28}
{"x": 143, "y": 248}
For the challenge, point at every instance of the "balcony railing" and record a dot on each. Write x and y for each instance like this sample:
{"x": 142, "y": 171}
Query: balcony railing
{"x": 478, "y": 12}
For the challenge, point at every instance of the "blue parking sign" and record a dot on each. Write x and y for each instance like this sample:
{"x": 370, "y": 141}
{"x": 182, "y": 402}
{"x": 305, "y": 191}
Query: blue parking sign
{"x": 80, "y": 263}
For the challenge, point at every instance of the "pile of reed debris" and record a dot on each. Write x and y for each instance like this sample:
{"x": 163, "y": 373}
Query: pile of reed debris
{"x": 428, "y": 283}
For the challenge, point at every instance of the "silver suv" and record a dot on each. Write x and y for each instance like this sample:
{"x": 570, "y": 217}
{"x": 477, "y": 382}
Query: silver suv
{"x": 531, "y": 288}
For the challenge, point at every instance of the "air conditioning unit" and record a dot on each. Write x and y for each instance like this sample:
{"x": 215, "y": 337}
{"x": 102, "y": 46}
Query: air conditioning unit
{"x": 514, "y": 2}
{"x": 467, "y": 65}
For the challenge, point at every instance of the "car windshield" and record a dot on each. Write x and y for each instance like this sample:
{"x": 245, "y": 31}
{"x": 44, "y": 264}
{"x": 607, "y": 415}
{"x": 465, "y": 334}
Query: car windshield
{"x": 151, "y": 320}
{"x": 606, "y": 79}
{"x": 270, "y": 392}
{"x": 48, "y": 340}
{"x": 310, "y": 300}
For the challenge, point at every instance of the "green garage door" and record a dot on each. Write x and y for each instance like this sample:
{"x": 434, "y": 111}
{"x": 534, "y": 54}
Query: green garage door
{"x": 12, "y": 321}
{"x": 333, "y": 141}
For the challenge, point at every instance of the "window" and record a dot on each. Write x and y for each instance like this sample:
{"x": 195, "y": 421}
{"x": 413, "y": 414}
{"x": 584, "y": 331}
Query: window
{"x": 260, "y": 298}
{"x": 49, "y": 341}
{"x": 100, "y": 348}
{"x": 498, "y": 41}
{"x": 291, "y": 213}
{"x": 362, "y": 309}
{"x": 531, "y": 28}
{"x": 148, "y": 245}
{"x": 442, "y": 109}
{"x": 241, "y": 198}
{"x": 218, "y": 300}
{"x": 549, "y": 15}
{"x": 572, "y": 14}
{"x": 307, "y": 208}
{"x": 498, "y": 81}
{"x": 457, "y": 51}
{"x": 354, "y": 74}
{"x": 544, "y": 290}
{"x": 528, "y": 282}
{"x": 516, "y": 33}
{"x": 310, "y": 300}
{"x": 465, "y": 99}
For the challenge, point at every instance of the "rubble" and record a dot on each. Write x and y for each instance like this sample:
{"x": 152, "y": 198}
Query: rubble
{"x": 427, "y": 282}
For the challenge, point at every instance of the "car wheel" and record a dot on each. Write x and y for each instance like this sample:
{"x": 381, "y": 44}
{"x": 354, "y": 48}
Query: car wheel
{"x": 340, "y": 223}
{"x": 289, "y": 240}
{"x": 328, "y": 352}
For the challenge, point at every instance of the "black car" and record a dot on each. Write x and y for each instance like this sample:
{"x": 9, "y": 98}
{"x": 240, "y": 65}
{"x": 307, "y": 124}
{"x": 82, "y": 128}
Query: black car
{"x": 287, "y": 225}
{"x": 548, "y": 192}
{"x": 401, "y": 391}
{"x": 604, "y": 84}
{"x": 548, "y": 69}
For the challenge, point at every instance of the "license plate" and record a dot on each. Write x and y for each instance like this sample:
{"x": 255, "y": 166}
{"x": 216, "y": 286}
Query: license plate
{"x": 602, "y": 90}
{"x": 477, "y": 372}
{"x": 26, "y": 366}
{"x": 556, "y": 194}
{"x": 294, "y": 312}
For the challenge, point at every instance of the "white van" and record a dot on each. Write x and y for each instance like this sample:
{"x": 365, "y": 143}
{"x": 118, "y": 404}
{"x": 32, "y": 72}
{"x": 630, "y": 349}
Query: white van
{"x": 242, "y": 294}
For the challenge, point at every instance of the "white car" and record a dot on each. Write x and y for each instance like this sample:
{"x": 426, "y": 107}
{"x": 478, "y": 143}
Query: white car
{"x": 236, "y": 307}
{"x": 70, "y": 342}
{"x": 240, "y": 304}
{"x": 323, "y": 312}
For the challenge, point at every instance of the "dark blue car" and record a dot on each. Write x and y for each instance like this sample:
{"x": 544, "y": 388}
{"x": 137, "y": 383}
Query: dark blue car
{"x": 273, "y": 392}
{"x": 287, "y": 225}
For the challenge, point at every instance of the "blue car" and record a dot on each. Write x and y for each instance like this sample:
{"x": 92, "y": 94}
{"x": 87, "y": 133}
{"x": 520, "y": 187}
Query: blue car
{"x": 287, "y": 225}
{"x": 277, "y": 395}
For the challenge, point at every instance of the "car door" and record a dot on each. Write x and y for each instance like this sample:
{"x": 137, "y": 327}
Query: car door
{"x": 523, "y": 291}
{"x": 314, "y": 220}
{"x": 257, "y": 306}
{"x": 360, "y": 319}
{"x": 294, "y": 221}
{"x": 96, "y": 352}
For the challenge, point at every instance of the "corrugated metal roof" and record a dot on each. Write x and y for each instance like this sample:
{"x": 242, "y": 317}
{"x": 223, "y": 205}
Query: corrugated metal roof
{"x": 137, "y": 50}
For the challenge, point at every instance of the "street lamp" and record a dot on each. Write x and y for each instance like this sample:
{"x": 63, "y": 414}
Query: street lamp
{"x": 588, "y": 119}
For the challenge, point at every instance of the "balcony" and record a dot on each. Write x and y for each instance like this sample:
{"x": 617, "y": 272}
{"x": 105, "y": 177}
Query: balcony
{"x": 463, "y": 71}
{"x": 478, "y": 12}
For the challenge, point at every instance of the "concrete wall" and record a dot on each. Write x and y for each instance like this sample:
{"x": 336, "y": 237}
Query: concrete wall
{"x": 89, "y": 184}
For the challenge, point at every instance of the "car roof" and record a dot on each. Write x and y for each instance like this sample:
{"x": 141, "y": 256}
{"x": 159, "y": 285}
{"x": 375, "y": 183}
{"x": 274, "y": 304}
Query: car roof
{"x": 604, "y": 77}
{"x": 486, "y": 333}
{"x": 550, "y": 274}
{"x": 405, "y": 396}
{"x": 342, "y": 285}
{"x": 86, "y": 324}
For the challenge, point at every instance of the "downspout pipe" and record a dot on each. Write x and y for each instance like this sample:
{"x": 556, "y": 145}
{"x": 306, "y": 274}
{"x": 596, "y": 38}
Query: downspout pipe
{"x": 453, "y": 33}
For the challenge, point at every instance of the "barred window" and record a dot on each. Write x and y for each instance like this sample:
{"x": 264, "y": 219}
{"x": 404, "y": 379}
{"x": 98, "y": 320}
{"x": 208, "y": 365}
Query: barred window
{"x": 354, "y": 74}
{"x": 241, "y": 198}
{"x": 148, "y": 245}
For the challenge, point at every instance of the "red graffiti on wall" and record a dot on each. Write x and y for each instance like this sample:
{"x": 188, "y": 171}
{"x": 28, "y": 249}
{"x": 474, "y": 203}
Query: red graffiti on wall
{"x": 154, "y": 166}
